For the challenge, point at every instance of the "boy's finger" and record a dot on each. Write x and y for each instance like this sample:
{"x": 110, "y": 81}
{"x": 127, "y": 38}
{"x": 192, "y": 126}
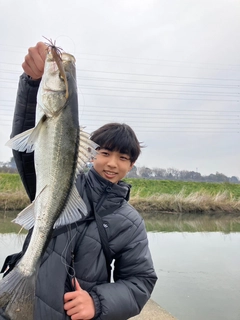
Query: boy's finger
{"x": 42, "y": 49}
{"x": 76, "y": 284}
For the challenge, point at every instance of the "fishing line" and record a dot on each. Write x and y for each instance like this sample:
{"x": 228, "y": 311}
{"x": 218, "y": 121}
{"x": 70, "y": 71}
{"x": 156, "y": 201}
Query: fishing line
{"x": 65, "y": 250}
{"x": 70, "y": 46}
{"x": 84, "y": 102}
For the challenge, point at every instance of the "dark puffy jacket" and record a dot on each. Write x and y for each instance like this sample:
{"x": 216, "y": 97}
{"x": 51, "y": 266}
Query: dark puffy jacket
{"x": 77, "y": 250}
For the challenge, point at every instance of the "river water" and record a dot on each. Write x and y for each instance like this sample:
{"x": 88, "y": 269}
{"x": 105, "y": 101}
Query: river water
{"x": 199, "y": 273}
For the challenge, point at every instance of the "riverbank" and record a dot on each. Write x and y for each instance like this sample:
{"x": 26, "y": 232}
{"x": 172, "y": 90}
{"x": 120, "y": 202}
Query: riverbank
{"x": 156, "y": 223}
{"x": 152, "y": 311}
{"x": 150, "y": 196}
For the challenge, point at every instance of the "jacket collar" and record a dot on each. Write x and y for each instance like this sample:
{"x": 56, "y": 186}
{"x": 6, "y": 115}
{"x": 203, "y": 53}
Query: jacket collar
{"x": 101, "y": 185}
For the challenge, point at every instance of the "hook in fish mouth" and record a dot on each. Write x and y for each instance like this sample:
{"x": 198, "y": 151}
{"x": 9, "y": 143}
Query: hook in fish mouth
{"x": 56, "y": 53}
{"x": 52, "y": 45}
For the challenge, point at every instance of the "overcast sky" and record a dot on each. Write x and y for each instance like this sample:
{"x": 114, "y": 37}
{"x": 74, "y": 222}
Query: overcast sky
{"x": 168, "y": 68}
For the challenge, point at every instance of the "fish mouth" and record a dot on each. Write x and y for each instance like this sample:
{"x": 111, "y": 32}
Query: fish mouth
{"x": 54, "y": 90}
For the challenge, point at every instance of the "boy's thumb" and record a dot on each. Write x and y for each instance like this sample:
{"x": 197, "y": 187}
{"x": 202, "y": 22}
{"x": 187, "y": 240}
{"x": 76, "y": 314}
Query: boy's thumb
{"x": 76, "y": 284}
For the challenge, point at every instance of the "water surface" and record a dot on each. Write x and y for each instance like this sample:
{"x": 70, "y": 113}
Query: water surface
{"x": 199, "y": 272}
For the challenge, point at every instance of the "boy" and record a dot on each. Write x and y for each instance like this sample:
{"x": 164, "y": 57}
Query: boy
{"x": 76, "y": 252}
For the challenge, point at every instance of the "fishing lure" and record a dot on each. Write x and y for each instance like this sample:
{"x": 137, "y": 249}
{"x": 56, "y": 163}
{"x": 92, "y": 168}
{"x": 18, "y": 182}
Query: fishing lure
{"x": 56, "y": 54}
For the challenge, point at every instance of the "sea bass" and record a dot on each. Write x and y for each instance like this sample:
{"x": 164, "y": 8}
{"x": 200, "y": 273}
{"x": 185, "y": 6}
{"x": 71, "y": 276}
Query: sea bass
{"x": 61, "y": 150}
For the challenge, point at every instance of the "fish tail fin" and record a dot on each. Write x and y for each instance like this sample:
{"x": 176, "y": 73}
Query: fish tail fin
{"x": 17, "y": 293}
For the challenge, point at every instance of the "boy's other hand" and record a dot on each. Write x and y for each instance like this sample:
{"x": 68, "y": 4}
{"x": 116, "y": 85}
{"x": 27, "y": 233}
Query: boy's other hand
{"x": 79, "y": 304}
{"x": 33, "y": 64}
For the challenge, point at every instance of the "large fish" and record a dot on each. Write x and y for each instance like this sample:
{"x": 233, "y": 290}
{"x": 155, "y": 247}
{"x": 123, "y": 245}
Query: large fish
{"x": 61, "y": 150}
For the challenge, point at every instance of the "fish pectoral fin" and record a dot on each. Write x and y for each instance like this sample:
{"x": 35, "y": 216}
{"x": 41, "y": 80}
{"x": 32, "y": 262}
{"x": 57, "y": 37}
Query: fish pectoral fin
{"x": 74, "y": 210}
{"x": 87, "y": 150}
{"x": 25, "y": 141}
{"x": 20, "y": 142}
{"x": 26, "y": 217}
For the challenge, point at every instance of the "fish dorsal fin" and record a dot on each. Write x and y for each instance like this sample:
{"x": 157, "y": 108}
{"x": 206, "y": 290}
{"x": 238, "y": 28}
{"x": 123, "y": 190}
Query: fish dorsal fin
{"x": 87, "y": 150}
{"x": 75, "y": 209}
{"x": 25, "y": 141}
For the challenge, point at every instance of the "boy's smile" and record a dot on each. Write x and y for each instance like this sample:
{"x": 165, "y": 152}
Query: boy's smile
{"x": 112, "y": 165}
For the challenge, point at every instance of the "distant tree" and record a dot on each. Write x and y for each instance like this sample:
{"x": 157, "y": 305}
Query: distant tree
{"x": 210, "y": 178}
{"x": 145, "y": 172}
{"x": 195, "y": 176}
{"x": 132, "y": 173}
{"x": 175, "y": 174}
{"x": 234, "y": 179}
{"x": 172, "y": 174}
{"x": 159, "y": 173}
{"x": 220, "y": 177}
{"x": 13, "y": 163}
{"x": 8, "y": 167}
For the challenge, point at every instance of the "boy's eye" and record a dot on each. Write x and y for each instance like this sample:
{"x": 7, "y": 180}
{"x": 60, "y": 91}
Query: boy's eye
{"x": 124, "y": 158}
{"x": 104, "y": 153}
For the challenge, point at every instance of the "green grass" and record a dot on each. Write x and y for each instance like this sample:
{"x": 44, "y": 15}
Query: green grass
{"x": 10, "y": 182}
{"x": 145, "y": 188}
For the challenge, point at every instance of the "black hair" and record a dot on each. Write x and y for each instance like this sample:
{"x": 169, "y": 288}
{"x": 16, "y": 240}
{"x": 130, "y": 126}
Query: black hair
{"x": 118, "y": 137}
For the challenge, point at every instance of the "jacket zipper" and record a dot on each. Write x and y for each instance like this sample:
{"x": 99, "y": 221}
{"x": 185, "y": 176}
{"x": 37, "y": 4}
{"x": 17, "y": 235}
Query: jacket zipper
{"x": 105, "y": 193}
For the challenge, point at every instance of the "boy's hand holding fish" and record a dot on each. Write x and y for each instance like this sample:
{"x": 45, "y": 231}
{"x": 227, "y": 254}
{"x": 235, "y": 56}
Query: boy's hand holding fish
{"x": 34, "y": 62}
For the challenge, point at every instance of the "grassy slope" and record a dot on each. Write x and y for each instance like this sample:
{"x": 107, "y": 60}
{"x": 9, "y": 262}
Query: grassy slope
{"x": 148, "y": 195}
{"x": 10, "y": 182}
{"x": 145, "y": 188}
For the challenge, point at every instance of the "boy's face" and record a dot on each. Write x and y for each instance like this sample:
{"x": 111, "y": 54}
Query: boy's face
{"x": 112, "y": 165}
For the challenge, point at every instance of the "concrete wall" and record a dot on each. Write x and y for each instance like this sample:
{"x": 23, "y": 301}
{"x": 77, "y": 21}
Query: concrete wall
{"x": 152, "y": 311}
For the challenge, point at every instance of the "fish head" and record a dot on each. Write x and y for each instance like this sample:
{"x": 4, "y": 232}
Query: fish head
{"x": 58, "y": 80}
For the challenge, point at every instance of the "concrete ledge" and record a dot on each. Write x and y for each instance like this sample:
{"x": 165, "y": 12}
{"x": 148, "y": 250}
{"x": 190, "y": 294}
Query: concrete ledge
{"x": 152, "y": 311}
